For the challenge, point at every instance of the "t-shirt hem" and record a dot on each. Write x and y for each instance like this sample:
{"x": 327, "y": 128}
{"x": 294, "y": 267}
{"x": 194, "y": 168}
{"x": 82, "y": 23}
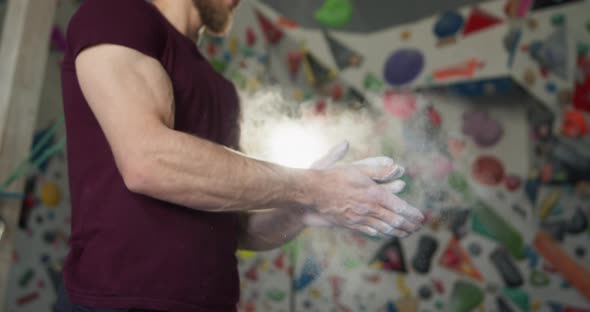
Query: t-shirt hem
{"x": 126, "y": 302}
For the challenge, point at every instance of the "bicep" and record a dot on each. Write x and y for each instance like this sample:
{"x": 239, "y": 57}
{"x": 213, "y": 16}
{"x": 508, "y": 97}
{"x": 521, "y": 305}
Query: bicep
{"x": 129, "y": 93}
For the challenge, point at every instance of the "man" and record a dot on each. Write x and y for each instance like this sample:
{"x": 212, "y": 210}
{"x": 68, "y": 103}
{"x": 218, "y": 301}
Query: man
{"x": 160, "y": 198}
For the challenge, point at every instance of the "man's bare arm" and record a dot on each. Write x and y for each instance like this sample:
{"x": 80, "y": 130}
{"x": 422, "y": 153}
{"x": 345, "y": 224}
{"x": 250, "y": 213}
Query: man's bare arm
{"x": 131, "y": 96}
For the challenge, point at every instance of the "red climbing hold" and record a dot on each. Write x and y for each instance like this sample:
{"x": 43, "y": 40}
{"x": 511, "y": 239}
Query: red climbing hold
{"x": 488, "y": 170}
{"x": 574, "y": 124}
{"x": 479, "y": 20}
{"x": 272, "y": 33}
{"x": 250, "y": 37}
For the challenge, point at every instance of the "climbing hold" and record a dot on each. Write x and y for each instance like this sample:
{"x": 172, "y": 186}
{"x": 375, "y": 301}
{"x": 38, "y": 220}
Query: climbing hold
{"x": 317, "y": 74}
{"x": 457, "y": 220}
{"x": 556, "y": 229}
{"x": 474, "y": 249}
{"x": 558, "y": 20}
{"x": 402, "y": 287}
{"x": 465, "y": 297}
{"x": 456, "y": 259}
{"x": 489, "y": 224}
{"x": 506, "y": 267}
{"x": 580, "y": 251}
{"x": 403, "y": 66}
{"x": 551, "y": 54}
{"x": 400, "y": 104}
{"x": 334, "y": 13}
{"x": 294, "y": 62}
{"x": 309, "y": 273}
{"x": 551, "y": 250}
{"x": 425, "y": 292}
{"x": 485, "y": 130}
{"x": 407, "y": 304}
{"x": 391, "y": 256}
{"x": 250, "y": 37}
{"x": 458, "y": 182}
{"x": 479, "y": 20}
{"x": 539, "y": 278}
{"x": 26, "y": 299}
{"x": 448, "y": 25}
{"x": 434, "y": 116}
{"x": 344, "y": 56}
{"x": 503, "y": 306}
{"x": 276, "y": 295}
{"x": 512, "y": 182}
{"x": 548, "y": 203}
{"x": 26, "y": 278}
{"x": 372, "y": 83}
{"x": 439, "y": 286}
{"x": 518, "y": 297}
{"x": 272, "y": 33}
{"x": 50, "y": 194}
{"x": 487, "y": 170}
{"x": 574, "y": 124}
{"x": 427, "y": 246}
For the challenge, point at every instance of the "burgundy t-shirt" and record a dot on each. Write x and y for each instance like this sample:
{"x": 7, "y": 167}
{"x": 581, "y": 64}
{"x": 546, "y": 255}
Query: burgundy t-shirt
{"x": 130, "y": 250}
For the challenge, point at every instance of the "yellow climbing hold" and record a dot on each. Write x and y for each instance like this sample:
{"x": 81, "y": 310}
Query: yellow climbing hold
{"x": 50, "y": 194}
{"x": 404, "y": 290}
{"x": 245, "y": 254}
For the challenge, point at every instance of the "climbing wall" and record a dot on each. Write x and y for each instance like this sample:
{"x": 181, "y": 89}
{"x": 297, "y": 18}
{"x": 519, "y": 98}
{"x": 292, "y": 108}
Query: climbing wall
{"x": 485, "y": 105}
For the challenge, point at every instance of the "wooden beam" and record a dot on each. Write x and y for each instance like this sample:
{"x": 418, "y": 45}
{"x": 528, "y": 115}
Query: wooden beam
{"x": 24, "y": 49}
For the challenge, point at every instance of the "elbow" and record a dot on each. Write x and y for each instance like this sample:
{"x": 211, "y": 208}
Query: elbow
{"x": 137, "y": 177}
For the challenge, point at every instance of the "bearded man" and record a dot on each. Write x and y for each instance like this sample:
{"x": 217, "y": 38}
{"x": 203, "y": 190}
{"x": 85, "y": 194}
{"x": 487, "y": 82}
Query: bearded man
{"x": 161, "y": 196}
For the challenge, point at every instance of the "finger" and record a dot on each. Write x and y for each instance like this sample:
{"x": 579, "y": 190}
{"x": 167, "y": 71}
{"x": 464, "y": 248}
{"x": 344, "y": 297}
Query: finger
{"x": 365, "y": 229}
{"x": 381, "y": 171}
{"x": 401, "y": 207}
{"x": 384, "y": 228}
{"x": 335, "y": 155}
{"x": 395, "y": 187}
{"x": 394, "y": 220}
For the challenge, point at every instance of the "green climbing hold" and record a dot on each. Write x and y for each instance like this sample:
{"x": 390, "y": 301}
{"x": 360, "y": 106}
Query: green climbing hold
{"x": 539, "y": 279}
{"x": 372, "y": 83}
{"x": 583, "y": 48}
{"x": 26, "y": 278}
{"x": 465, "y": 297}
{"x": 458, "y": 182}
{"x": 276, "y": 295}
{"x": 351, "y": 264}
{"x": 334, "y": 13}
{"x": 489, "y": 224}
{"x": 219, "y": 65}
{"x": 558, "y": 20}
{"x": 439, "y": 305}
{"x": 519, "y": 297}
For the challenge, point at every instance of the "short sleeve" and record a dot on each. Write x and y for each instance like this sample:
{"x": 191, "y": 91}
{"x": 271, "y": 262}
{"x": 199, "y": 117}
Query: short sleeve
{"x": 134, "y": 24}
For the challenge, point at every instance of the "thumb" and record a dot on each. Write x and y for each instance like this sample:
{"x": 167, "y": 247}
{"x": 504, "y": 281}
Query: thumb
{"x": 336, "y": 154}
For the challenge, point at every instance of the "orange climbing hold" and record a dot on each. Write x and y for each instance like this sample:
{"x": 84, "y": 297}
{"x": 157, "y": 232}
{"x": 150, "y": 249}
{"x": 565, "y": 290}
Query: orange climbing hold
{"x": 573, "y": 272}
{"x": 455, "y": 258}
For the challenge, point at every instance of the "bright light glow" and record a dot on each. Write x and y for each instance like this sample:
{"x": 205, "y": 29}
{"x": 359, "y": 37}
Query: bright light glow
{"x": 295, "y": 145}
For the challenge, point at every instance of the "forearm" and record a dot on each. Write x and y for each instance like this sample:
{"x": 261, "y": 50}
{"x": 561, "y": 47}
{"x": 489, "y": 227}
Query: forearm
{"x": 196, "y": 173}
{"x": 269, "y": 229}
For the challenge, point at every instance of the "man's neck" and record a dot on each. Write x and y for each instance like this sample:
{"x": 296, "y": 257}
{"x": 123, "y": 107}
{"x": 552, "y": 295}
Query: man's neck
{"x": 183, "y": 15}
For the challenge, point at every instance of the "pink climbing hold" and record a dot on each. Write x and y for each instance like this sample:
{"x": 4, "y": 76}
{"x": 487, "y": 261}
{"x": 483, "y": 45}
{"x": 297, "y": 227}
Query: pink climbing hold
{"x": 400, "y": 104}
{"x": 488, "y": 170}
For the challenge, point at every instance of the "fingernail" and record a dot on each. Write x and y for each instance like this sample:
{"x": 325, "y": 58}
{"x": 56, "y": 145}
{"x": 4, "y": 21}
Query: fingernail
{"x": 372, "y": 231}
{"x": 399, "y": 171}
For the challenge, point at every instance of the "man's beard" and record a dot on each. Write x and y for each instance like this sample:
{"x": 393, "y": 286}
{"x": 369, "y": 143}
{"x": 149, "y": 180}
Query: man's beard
{"x": 216, "y": 18}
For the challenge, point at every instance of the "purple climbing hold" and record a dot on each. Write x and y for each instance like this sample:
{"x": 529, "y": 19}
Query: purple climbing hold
{"x": 484, "y": 130}
{"x": 403, "y": 66}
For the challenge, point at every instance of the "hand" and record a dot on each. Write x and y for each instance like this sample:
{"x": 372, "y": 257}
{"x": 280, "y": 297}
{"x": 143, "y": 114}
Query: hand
{"x": 366, "y": 215}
